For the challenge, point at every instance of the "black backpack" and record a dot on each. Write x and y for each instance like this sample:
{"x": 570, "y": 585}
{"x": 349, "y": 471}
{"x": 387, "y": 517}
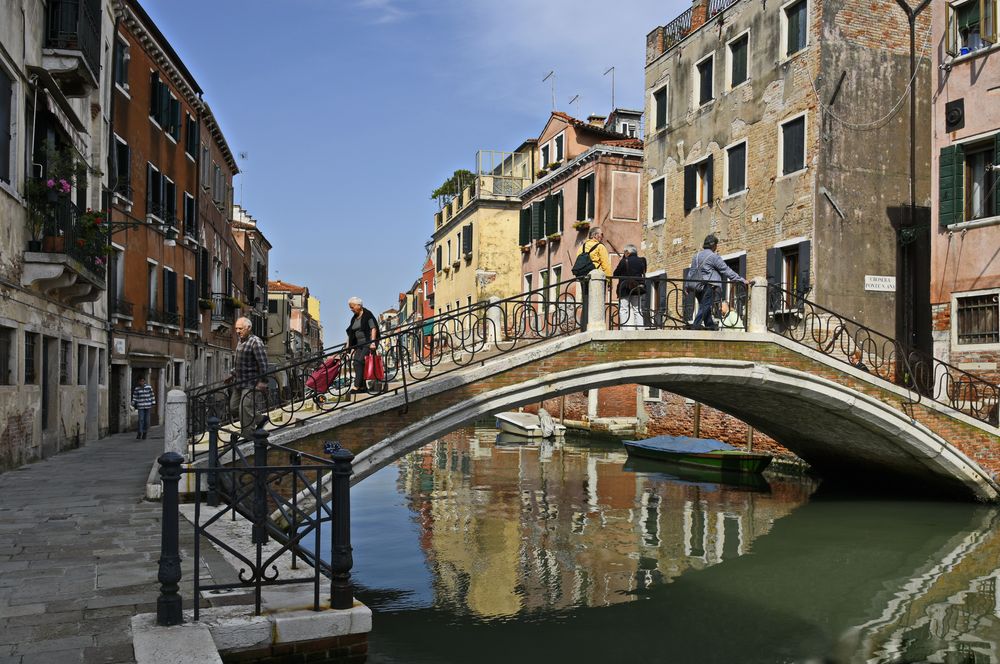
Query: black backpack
{"x": 584, "y": 264}
{"x": 694, "y": 281}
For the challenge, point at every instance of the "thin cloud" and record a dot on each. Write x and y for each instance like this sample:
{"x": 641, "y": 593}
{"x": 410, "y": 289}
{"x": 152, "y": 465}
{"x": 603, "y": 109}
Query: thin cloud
{"x": 383, "y": 11}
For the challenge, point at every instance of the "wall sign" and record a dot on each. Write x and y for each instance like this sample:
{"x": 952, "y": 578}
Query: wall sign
{"x": 883, "y": 283}
{"x": 119, "y": 346}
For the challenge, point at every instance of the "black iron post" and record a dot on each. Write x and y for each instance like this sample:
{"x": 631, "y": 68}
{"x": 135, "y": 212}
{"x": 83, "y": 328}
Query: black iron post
{"x": 169, "y": 604}
{"x": 341, "y": 558}
{"x": 213, "y": 459}
{"x": 259, "y": 535}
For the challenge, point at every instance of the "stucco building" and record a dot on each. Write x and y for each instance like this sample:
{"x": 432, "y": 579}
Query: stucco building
{"x": 176, "y": 272}
{"x": 254, "y": 249}
{"x": 782, "y": 127}
{"x": 291, "y": 331}
{"x": 474, "y": 245}
{"x": 54, "y": 82}
{"x": 965, "y": 214}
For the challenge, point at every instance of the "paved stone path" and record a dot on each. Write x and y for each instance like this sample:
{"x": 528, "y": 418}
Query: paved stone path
{"x": 78, "y": 552}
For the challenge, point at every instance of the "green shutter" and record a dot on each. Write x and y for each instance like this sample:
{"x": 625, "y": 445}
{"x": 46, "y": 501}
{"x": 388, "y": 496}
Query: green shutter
{"x": 551, "y": 215}
{"x": 950, "y": 171}
{"x": 537, "y": 220}
{"x": 996, "y": 175}
{"x": 524, "y": 236}
{"x": 559, "y": 220}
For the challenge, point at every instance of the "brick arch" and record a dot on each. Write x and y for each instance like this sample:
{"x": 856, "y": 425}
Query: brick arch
{"x": 837, "y": 418}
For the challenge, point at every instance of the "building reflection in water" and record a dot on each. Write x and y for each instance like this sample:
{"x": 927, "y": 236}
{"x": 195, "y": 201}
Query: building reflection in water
{"x": 508, "y": 529}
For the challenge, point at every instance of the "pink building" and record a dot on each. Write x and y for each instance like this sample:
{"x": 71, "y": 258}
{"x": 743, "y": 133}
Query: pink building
{"x": 965, "y": 254}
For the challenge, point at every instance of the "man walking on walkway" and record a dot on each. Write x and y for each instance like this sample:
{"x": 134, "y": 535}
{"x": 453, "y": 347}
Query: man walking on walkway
{"x": 143, "y": 400}
{"x": 248, "y": 378}
{"x": 707, "y": 270}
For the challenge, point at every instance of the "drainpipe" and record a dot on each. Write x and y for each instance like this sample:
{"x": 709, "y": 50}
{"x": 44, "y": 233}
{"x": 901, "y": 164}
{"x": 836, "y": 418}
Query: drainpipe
{"x": 106, "y": 194}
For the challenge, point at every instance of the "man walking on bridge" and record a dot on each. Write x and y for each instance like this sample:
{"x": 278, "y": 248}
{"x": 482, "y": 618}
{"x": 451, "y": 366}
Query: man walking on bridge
{"x": 248, "y": 378}
{"x": 707, "y": 270}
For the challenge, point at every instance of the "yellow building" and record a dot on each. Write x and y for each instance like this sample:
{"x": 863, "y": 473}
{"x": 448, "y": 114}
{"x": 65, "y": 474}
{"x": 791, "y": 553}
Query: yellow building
{"x": 474, "y": 246}
{"x": 313, "y": 308}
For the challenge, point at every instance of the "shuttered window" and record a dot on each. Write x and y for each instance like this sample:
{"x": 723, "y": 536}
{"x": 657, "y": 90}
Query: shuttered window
{"x": 795, "y": 27}
{"x": 738, "y": 49}
{"x": 660, "y": 107}
{"x": 585, "y": 198}
{"x": 690, "y": 188}
{"x": 705, "y": 69}
{"x": 788, "y": 269}
{"x": 191, "y": 139}
{"x": 438, "y": 264}
{"x": 793, "y": 146}
{"x": 950, "y": 181}
{"x": 6, "y": 124}
{"x": 736, "y": 158}
{"x": 537, "y": 220}
{"x": 467, "y": 240}
{"x": 657, "y": 203}
{"x": 524, "y": 235}
{"x": 553, "y": 214}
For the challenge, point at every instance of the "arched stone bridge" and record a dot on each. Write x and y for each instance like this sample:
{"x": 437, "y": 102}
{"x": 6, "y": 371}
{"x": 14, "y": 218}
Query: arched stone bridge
{"x": 839, "y": 419}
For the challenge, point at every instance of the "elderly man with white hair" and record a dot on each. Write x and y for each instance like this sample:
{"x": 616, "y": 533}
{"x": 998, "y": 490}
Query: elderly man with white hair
{"x": 248, "y": 378}
{"x": 362, "y": 339}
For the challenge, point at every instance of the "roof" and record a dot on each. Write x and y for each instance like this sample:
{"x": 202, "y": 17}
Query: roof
{"x": 625, "y": 143}
{"x": 285, "y": 287}
{"x": 586, "y": 126}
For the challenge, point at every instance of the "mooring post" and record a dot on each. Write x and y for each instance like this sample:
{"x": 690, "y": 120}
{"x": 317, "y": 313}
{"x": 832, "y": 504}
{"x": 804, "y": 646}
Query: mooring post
{"x": 757, "y": 321}
{"x": 259, "y": 535}
{"x": 213, "y": 460}
{"x": 596, "y": 314}
{"x": 169, "y": 604}
{"x": 341, "y": 556}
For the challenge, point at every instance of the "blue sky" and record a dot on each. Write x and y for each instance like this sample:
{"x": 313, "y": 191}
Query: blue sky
{"x": 352, "y": 111}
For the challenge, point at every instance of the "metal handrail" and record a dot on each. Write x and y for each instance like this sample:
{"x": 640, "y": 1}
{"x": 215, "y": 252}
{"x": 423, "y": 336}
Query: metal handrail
{"x": 666, "y": 304}
{"x": 794, "y": 317}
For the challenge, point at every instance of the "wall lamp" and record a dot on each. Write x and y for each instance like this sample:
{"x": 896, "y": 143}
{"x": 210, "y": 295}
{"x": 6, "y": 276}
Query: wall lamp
{"x": 167, "y": 228}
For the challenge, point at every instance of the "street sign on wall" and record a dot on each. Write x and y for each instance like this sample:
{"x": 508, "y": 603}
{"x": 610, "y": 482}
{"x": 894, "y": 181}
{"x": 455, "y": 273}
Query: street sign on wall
{"x": 882, "y": 283}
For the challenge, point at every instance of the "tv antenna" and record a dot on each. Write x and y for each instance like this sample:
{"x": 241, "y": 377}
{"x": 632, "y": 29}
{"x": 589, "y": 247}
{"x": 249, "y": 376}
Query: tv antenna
{"x": 552, "y": 75}
{"x": 575, "y": 99}
{"x": 243, "y": 156}
{"x": 611, "y": 70}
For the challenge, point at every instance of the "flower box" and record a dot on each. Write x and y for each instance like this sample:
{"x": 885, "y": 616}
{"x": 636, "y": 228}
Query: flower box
{"x": 54, "y": 244}
{"x": 582, "y": 225}
{"x": 204, "y": 303}
{"x": 540, "y": 242}
{"x": 455, "y": 263}
{"x": 553, "y": 237}
{"x": 525, "y": 248}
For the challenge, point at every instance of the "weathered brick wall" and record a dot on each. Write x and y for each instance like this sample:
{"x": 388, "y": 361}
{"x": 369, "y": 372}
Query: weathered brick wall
{"x": 16, "y": 440}
{"x": 360, "y": 434}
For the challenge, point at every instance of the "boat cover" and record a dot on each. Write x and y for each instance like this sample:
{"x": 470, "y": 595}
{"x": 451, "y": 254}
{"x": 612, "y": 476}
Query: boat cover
{"x": 683, "y": 444}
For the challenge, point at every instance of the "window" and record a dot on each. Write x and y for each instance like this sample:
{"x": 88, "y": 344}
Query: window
{"x": 559, "y": 147}
{"x": 169, "y": 200}
{"x": 117, "y": 274}
{"x": 977, "y": 319}
{"x": 65, "y": 361}
{"x": 169, "y": 291}
{"x": 190, "y": 216}
{"x": 164, "y": 108}
{"x": 698, "y": 184}
{"x": 7, "y": 124}
{"x": 30, "y": 358}
{"x": 736, "y": 168}
{"x": 652, "y": 394}
{"x": 173, "y": 126}
{"x": 154, "y": 192}
{"x": 272, "y": 306}
{"x": 467, "y": 240}
{"x": 553, "y": 214}
{"x": 704, "y": 77}
{"x": 972, "y": 25}
{"x": 190, "y": 304}
{"x": 585, "y": 198}
{"x": 788, "y": 269}
{"x": 555, "y": 283}
{"x": 121, "y": 64}
{"x": 122, "y": 172}
{"x": 7, "y": 360}
{"x": 527, "y": 282}
{"x": 81, "y": 365}
{"x": 660, "y": 107}
{"x": 151, "y": 276}
{"x": 217, "y": 184}
{"x": 449, "y": 252}
{"x": 792, "y": 151}
{"x": 190, "y": 136}
{"x": 438, "y": 263}
{"x": 657, "y": 200}
{"x": 794, "y": 24}
{"x": 205, "y": 166}
{"x": 524, "y": 229}
{"x": 178, "y": 373}
{"x": 967, "y": 184}
{"x": 738, "y": 49}
{"x": 545, "y": 156}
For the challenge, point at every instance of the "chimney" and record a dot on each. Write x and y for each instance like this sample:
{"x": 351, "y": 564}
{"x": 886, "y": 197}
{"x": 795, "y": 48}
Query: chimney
{"x": 654, "y": 44}
{"x": 699, "y": 14}
{"x": 596, "y": 120}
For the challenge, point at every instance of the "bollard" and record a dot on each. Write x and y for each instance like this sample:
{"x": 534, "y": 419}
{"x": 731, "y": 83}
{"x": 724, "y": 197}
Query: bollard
{"x": 494, "y": 321}
{"x": 596, "y": 314}
{"x": 341, "y": 558}
{"x": 260, "y": 487}
{"x": 233, "y": 492}
{"x": 175, "y": 430}
{"x": 757, "y": 318}
{"x": 213, "y": 460}
{"x": 169, "y": 609}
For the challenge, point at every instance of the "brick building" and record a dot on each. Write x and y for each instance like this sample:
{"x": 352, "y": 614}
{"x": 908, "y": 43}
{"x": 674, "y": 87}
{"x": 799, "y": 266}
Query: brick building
{"x": 782, "y": 128}
{"x": 176, "y": 272}
{"x": 292, "y": 332}
{"x": 965, "y": 275}
{"x": 53, "y": 125}
{"x": 254, "y": 250}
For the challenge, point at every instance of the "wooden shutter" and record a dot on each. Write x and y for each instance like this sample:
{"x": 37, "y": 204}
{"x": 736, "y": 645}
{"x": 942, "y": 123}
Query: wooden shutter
{"x": 690, "y": 188}
{"x": 149, "y": 189}
{"x": 996, "y": 174}
{"x": 524, "y": 236}
{"x": 950, "y": 171}
{"x": 467, "y": 240}
{"x": 229, "y": 282}
{"x": 6, "y": 109}
{"x": 803, "y": 276}
{"x": 537, "y": 220}
{"x": 559, "y": 212}
{"x": 687, "y": 307}
{"x": 741, "y": 269}
{"x": 551, "y": 215}
{"x": 591, "y": 195}
{"x": 988, "y": 21}
{"x": 154, "y": 95}
{"x": 581, "y": 199}
{"x": 774, "y": 267}
{"x": 660, "y": 100}
{"x": 438, "y": 262}
{"x": 709, "y": 177}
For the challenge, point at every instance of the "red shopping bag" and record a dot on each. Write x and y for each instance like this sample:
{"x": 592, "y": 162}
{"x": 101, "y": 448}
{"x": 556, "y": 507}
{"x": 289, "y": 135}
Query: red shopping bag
{"x": 374, "y": 369}
{"x": 320, "y": 380}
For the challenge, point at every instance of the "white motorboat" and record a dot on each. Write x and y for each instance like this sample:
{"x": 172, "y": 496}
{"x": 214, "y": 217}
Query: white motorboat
{"x": 529, "y": 425}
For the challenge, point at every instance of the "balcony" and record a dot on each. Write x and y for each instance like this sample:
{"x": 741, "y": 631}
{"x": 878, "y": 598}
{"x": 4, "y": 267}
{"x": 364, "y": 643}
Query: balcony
{"x": 223, "y": 310}
{"x": 191, "y": 322}
{"x": 120, "y": 309}
{"x": 158, "y": 317}
{"x": 73, "y": 44}
{"x": 69, "y": 263}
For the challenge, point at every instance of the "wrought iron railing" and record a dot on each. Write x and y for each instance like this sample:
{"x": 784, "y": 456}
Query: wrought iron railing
{"x": 677, "y": 29}
{"x": 658, "y": 303}
{"x": 120, "y": 306}
{"x": 334, "y": 378}
{"x": 191, "y": 320}
{"x": 75, "y": 25}
{"x": 295, "y": 492}
{"x": 922, "y": 375}
{"x": 160, "y": 317}
{"x": 223, "y": 309}
{"x": 716, "y": 6}
{"x": 65, "y": 235}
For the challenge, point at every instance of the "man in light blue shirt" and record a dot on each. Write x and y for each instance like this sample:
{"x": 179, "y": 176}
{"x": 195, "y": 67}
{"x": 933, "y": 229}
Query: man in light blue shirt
{"x": 708, "y": 269}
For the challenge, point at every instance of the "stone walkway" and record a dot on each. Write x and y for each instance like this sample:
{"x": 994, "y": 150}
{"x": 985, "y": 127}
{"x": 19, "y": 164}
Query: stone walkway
{"x": 78, "y": 552}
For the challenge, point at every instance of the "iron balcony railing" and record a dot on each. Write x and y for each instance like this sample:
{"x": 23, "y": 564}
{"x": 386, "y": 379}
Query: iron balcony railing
{"x": 161, "y": 317}
{"x": 120, "y": 306}
{"x": 223, "y": 309}
{"x": 64, "y": 234}
{"x": 717, "y": 6}
{"x": 677, "y": 29}
{"x": 191, "y": 320}
{"x": 74, "y": 25}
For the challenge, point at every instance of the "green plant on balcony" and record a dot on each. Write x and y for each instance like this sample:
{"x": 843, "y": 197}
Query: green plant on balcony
{"x": 91, "y": 238}
{"x": 205, "y": 304}
{"x": 581, "y": 225}
{"x": 46, "y": 196}
{"x": 553, "y": 237}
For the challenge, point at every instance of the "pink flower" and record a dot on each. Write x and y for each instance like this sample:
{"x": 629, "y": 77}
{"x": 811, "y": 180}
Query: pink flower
{"x": 50, "y": 183}
{"x": 66, "y": 187}
{"x": 98, "y": 261}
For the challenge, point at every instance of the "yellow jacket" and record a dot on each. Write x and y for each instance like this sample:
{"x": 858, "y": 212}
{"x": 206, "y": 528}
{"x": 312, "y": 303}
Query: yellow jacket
{"x": 600, "y": 255}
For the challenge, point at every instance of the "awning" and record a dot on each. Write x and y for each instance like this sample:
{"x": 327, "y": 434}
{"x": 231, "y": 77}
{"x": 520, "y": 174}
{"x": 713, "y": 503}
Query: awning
{"x": 57, "y": 104}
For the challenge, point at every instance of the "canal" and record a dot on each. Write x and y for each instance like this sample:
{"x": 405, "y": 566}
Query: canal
{"x": 470, "y": 549}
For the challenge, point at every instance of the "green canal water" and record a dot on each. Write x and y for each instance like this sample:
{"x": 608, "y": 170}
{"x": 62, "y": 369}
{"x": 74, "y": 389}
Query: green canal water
{"x": 469, "y": 550}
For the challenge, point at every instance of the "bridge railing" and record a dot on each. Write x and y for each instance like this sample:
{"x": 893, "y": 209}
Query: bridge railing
{"x": 792, "y": 316}
{"x": 329, "y": 380}
{"x": 257, "y": 491}
{"x": 659, "y": 303}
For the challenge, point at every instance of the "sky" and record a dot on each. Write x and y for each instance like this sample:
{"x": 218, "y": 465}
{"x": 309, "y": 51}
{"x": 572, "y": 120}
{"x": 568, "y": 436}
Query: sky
{"x": 351, "y": 112}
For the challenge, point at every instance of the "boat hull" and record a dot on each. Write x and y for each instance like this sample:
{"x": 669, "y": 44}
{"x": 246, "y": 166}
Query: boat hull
{"x": 725, "y": 461}
{"x": 520, "y": 424}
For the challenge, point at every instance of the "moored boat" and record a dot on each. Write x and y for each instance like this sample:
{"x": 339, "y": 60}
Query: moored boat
{"x": 698, "y": 453}
{"x": 528, "y": 425}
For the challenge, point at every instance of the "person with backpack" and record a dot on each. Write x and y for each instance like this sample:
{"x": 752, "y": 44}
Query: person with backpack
{"x": 705, "y": 281}
{"x": 631, "y": 273}
{"x": 593, "y": 255}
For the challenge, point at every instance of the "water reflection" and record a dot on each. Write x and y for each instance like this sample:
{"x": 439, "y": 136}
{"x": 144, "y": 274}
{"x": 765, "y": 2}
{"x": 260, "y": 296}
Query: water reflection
{"x": 467, "y": 546}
